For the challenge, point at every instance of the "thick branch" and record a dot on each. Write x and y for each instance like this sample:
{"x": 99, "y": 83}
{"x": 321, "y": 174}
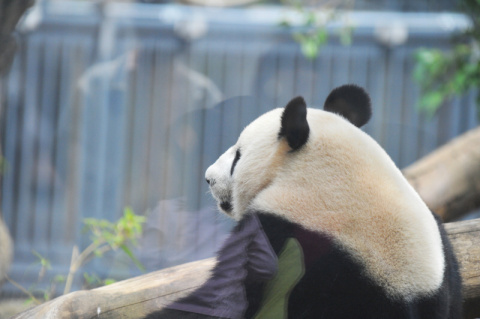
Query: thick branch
{"x": 448, "y": 179}
{"x": 135, "y": 297}
{"x": 465, "y": 238}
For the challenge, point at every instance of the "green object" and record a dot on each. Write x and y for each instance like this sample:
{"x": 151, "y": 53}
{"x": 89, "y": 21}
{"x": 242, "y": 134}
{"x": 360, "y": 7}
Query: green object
{"x": 444, "y": 74}
{"x": 290, "y": 270}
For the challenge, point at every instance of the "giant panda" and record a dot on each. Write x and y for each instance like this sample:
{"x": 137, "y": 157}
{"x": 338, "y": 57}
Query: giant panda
{"x": 368, "y": 245}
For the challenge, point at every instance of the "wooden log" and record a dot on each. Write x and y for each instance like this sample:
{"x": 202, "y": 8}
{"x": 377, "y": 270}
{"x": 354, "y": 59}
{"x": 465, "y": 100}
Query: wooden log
{"x": 133, "y": 298}
{"x": 465, "y": 239}
{"x": 448, "y": 179}
{"x": 6, "y": 251}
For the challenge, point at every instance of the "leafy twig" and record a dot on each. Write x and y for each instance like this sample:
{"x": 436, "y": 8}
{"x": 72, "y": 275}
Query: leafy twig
{"x": 25, "y": 291}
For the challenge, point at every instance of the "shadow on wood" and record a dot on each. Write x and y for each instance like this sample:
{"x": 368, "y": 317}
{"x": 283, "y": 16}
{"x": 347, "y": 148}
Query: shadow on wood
{"x": 133, "y": 298}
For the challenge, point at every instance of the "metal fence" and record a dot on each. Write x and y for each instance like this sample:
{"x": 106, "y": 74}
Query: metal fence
{"x": 127, "y": 105}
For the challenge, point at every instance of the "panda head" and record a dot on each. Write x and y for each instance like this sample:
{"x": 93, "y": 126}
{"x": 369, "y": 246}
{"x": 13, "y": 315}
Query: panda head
{"x": 273, "y": 140}
{"x": 317, "y": 168}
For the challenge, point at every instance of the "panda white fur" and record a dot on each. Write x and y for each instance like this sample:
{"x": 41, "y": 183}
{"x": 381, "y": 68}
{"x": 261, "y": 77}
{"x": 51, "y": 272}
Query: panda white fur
{"x": 387, "y": 255}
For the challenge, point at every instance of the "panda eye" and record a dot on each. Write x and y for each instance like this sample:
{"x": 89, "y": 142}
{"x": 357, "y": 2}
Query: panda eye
{"x": 235, "y": 160}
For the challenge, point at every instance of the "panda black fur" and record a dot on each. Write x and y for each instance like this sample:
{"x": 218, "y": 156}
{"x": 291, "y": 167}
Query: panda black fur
{"x": 335, "y": 284}
{"x": 371, "y": 248}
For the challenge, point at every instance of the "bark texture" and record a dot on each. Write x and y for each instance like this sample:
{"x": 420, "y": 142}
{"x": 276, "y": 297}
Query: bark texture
{"x": 448, "y": 179}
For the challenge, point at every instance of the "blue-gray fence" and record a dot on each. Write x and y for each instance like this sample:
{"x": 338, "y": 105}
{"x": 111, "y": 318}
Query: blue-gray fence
{"x": 127, "y": 105}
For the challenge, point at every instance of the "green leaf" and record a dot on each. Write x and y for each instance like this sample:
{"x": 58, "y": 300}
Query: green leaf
{"x": 29, "y": 301}
{"x": 310, "y": 18}
{"x": 98, "y": 253}
{"x": 285, "y": 23}
{"x": 91, "y": 279}
{"x": 459, "y": 82}
{"x": 59, "y": 278}
{"x": 42, "y": 260}
{"x": 346, "y": 36}
{"x": 128, "y": 211}
{"x": 109, "y": 281}
{"x": 431, "y": 101}
{"x": 132, "y": 257}
{"x": 310, "y": 49}
{"x": 321, "y": 37}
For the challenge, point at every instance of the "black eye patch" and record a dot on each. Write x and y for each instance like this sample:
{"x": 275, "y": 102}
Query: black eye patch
{"x": 235, "y": 160}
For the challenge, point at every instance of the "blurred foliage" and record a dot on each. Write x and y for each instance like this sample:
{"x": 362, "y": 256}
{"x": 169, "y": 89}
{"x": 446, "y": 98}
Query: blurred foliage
{"x": 112, "y": 236}
{"x": 34, "y": 289}
{"x": 93, "y": 281}
{"x": 105, "y": 236}
{"x": 445, "y": 74}
{"x": 312, "y": 32}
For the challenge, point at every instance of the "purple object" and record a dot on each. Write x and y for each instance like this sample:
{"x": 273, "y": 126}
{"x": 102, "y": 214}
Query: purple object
{"x": 246, "y": 251}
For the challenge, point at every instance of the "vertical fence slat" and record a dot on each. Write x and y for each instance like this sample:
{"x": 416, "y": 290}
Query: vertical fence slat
{"x": 27, "y": 161}
{"x": 58, "y": 235}
{"x": 10, "y": 146}
{"x": 44, "y": 166}
{"x": 410, "y": 119}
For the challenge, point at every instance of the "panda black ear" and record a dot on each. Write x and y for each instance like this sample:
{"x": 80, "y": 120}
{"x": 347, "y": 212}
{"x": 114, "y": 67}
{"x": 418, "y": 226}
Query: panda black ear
{"x": 351, "y": 102}
{"x": 294, "y": 123}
